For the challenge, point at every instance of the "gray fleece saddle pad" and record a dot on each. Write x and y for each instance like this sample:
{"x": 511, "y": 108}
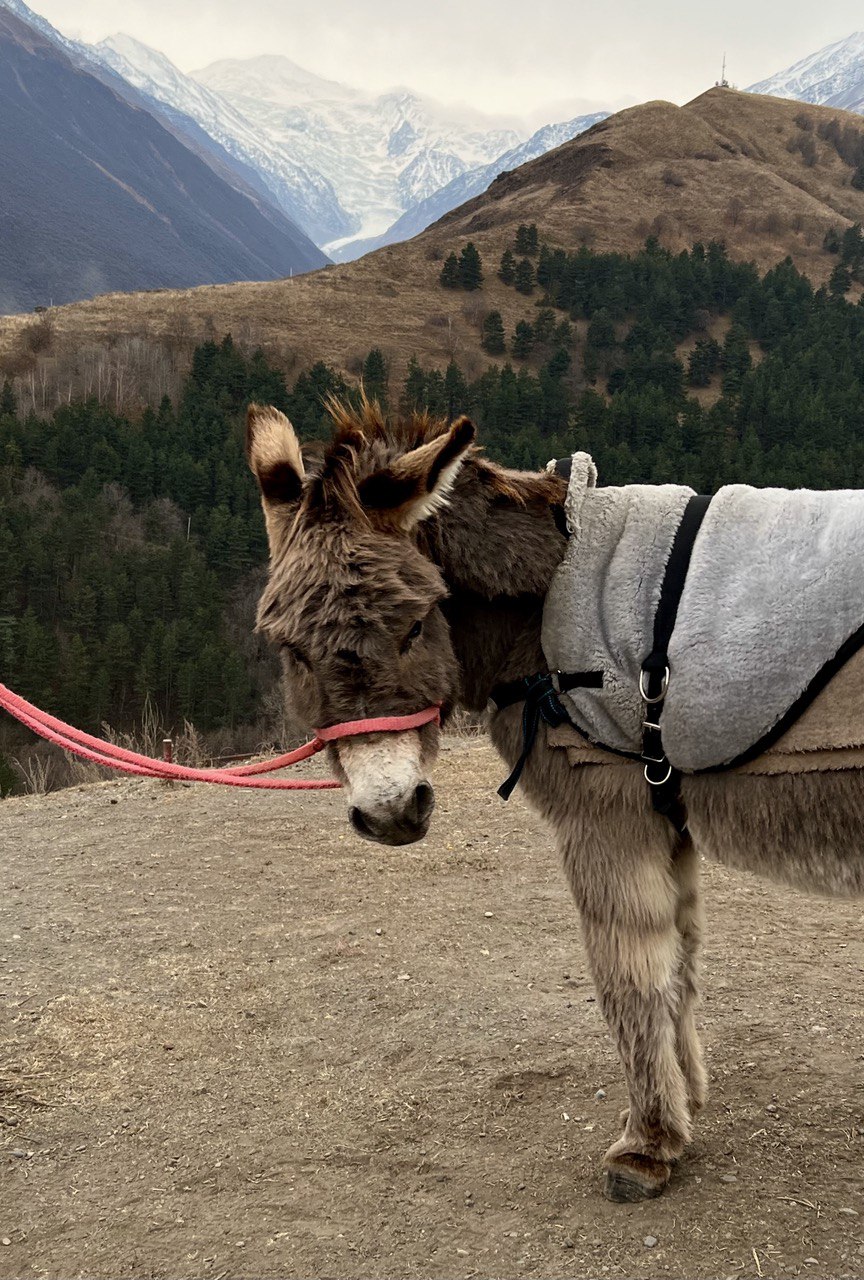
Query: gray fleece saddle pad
{"x": 773, "y": 602}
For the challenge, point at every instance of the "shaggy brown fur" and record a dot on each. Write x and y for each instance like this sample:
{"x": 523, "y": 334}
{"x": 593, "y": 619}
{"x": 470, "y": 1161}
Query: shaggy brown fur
{"x": 363, "y": 551}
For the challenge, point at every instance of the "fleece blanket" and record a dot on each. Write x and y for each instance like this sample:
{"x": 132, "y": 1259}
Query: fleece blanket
{"x": 827, "y": 737}
{"x": 773, "y": 600}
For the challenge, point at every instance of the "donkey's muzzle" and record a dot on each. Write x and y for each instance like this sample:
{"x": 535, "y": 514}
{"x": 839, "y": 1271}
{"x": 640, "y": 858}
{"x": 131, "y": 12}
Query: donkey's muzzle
{"x": 397, "y": 823}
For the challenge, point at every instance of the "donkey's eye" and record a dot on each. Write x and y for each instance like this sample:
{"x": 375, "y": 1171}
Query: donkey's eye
{"x": 411, "y": 636}
{"x": 295, "y": 654}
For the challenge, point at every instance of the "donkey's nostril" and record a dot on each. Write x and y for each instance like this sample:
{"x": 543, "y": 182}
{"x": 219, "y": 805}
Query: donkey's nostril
{"x": 424, "y": 803}
{"x": 359, "y": 823}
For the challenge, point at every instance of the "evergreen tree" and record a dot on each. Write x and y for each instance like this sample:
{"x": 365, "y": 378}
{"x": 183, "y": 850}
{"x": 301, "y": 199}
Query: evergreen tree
{"x": 601, "y": 331}
{"x": 523, "y": 340}
{"x": 507, "y": 270}
{"x": 470, "y": 268}
{"x": 852, "y": 248}
{"x": 544, "y": 326}
{"x": 736, "y": 359}
{"x": 375, "y": 377}
{"x": 841, "y": 280}
{"x": 449, "y": 277}
{"x": 545, "y": 267}
{"x": 493, "y": 340}
{"x": 704, "y": 361}
{"x": 455, "y": 391}
{"x": 524, "y": 277}
{"x": 414, "y": 392}
{"x": 8, "y": 403}
{"x": 527, "y": 239}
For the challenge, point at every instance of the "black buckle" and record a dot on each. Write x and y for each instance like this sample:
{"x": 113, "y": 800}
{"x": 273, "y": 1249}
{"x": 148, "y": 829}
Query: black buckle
{"x": 540, "y": 696}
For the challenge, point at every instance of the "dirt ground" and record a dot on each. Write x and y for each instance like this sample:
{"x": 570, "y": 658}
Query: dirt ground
{"x": 239, "y": 1042}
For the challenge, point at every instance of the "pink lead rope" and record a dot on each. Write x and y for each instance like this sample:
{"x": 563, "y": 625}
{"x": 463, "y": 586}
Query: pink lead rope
{"x": 110, "y": 756}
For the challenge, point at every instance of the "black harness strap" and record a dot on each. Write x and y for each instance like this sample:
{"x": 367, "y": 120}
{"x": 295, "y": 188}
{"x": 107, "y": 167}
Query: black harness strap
{"x": 539, "y": 693}
{"x": 665, "y": 782}
{"x": 673, "y": 583}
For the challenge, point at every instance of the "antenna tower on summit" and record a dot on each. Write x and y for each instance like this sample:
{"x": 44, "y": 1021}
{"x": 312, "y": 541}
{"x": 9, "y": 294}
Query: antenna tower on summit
{"x": 722, "y": 83}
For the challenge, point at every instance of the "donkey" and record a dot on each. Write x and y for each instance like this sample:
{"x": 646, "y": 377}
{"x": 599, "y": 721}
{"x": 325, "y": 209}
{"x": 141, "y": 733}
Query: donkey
{"x": 407, "y": 570}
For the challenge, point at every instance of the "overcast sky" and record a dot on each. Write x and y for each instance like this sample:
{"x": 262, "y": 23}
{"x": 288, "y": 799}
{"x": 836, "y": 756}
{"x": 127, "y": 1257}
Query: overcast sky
{"x": 533, "y": 58}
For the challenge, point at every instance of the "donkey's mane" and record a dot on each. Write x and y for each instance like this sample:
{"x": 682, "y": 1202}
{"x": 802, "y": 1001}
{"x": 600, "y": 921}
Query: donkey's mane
{"x": 367, "y": 439}
{"x": 367, "y": 422}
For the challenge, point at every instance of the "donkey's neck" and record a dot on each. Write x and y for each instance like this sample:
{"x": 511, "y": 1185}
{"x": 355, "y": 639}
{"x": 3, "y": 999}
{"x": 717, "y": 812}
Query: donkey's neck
{"x": 498, "y": 545}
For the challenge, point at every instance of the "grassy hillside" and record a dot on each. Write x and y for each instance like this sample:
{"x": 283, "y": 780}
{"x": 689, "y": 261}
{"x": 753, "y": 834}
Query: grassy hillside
{"x": 755, "y": 172}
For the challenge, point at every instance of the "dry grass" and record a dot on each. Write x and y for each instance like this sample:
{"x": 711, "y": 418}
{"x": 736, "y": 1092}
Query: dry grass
{"x": 466, "y": 724}
{"x": 44, "y": 768}
{"x": 720, "y": 167}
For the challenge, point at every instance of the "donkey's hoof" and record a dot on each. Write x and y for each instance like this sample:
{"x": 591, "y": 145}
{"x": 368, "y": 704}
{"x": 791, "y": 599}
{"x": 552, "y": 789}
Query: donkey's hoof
{"x": 632, "y": 1177}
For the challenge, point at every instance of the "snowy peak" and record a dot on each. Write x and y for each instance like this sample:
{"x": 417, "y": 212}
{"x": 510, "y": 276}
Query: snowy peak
{"x": 833, "y": 76}
{"x": 139, "y": 56}
{"x": 106, "y": 197}
{"x": 342, "y": 162}
{"x": 383, "y": 153}
{"x": 272, "y": 78}
{"x": 347, "y": 165}
{"x": 299, "y": 190}
{"x": 466, "y": 184}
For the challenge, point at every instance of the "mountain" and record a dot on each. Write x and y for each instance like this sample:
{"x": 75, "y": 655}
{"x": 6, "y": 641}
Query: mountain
{"x": 383, "y": 154}
{"x": 184, "y": 128}
{"x": 339, "y": 162}
{"x": 149, "y": 81}
{"x": 832, "y": 77}
{"x": 725, "y": 166}
{"x": 467, "y": 185}
{"x": 98, "y": 196}
{"x": 306, "y": 196}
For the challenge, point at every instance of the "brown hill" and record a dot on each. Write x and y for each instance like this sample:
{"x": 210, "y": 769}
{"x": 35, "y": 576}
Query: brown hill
{"x": 751, "y": 170}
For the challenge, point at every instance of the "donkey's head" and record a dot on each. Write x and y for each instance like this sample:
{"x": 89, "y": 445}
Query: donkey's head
{"x": 351, "y": 601}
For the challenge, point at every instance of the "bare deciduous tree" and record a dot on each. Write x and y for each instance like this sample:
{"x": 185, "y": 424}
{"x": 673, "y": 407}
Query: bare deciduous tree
{"x": 735, "y": 211}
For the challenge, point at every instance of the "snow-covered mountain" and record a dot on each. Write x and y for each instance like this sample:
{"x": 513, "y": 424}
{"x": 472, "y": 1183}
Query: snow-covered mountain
{"x": 834, "y": 76}
{"x": 383, "y": 154}
{"x": 101, "y": 197}
{"x": 299, "y": 190}
{"x": 310, "y": 203}
{"x": 466, "y": 186}
{"x": 77, "y": 52}
{"x": 354, "y": 170}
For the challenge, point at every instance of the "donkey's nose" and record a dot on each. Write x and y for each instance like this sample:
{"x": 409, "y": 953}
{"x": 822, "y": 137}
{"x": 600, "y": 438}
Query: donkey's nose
{"x": 398, "y": 823}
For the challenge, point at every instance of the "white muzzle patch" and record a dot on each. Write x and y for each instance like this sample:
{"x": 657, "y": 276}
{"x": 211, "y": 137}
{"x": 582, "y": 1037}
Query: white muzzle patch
{"x": 388, "y": 796}
{"x": 383, "y": 770}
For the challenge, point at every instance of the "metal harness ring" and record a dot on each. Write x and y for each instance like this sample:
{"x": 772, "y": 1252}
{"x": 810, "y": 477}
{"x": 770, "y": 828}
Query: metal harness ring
{"x": 659, "y": 782}
{"x": 663, "y": 687}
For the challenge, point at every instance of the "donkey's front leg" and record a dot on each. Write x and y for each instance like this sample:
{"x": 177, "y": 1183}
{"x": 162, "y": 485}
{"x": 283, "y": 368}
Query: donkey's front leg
{"x": 629, "y": 900}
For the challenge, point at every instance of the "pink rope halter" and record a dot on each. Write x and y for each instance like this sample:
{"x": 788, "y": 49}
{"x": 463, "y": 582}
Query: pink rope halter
{"x": 110, "y": 756}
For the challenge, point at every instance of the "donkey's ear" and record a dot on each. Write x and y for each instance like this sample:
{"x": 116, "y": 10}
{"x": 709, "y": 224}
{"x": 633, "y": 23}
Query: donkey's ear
{"x": 418, "y": 484}
{"x": 273, "y": 451}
